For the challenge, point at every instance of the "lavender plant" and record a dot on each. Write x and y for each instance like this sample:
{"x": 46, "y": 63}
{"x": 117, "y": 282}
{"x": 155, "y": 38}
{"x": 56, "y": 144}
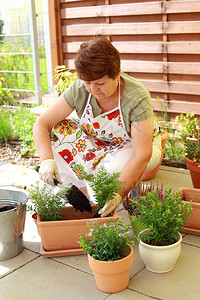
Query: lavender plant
{"x": 163, "y": 216}
{"x": 46, "y": 203}
{"x": 104, "y": 184}
{"x": 106, "y": 242}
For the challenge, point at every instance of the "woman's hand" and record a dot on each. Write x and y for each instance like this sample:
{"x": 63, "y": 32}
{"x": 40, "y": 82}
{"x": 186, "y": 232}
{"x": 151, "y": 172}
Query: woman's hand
{"x": 48, "y": 170}
{"x": 110, "y": 205}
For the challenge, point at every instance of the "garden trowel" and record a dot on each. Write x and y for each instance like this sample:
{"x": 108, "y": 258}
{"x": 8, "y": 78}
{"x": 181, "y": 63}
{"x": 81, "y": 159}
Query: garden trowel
{"x": 74, "y": 196}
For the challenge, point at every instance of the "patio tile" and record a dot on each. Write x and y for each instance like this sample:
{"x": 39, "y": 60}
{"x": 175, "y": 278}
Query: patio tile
{"x": 128, "y": 295}
{"x": 191, "y": 239}
{"x": 10, "y": 174}
{"x": 32, "y": 240}
{"x": 47, "y": 279}
{"x": 10, "y": 265}
{"x": 177, "y": 284}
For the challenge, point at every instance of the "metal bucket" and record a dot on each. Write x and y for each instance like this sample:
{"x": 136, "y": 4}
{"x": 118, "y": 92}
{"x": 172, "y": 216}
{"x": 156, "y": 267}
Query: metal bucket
{"x": 12, "y": 222}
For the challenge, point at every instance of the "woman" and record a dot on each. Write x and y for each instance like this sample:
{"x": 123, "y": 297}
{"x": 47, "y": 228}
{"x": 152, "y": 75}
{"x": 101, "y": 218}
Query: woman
{"x": 115, "y": 126}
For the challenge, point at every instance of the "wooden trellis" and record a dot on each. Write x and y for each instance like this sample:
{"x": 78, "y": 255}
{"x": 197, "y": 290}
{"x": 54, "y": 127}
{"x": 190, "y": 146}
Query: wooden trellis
{"x": 159, "y": 43}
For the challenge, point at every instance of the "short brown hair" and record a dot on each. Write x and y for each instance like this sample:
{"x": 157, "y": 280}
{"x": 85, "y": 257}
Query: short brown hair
{"x": 96, "y": 59}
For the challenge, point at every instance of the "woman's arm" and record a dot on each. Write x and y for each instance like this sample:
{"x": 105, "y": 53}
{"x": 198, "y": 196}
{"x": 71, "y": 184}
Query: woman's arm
{"x": 142, "y": 137}
{"x": 43, "y": 125}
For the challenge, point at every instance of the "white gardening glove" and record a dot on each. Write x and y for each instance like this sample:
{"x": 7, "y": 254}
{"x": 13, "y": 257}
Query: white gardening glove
{"x": 110, "y": 205}
{"x": 48, "y": 169}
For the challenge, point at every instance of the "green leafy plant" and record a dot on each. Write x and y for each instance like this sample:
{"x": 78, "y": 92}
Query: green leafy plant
{"x": 104, "y": 184}
{"x": 106, "y": 242}
{"x": 192, "y": 150}
{"x": 45, "y": 202}
{"x": 189, "y": 128}
{"x": 163, "y": 216}
{"x": 65, "y": 78}
{"x": 6, "y": 133}
{"x": 23, "y": 121}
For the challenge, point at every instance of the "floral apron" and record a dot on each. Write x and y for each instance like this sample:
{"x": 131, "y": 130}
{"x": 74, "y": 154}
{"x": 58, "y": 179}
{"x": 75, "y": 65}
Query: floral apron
{"x": 87, "y": 141}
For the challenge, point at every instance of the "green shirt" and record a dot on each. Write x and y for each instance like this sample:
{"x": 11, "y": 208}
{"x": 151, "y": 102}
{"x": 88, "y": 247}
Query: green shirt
{"x": 136, "y": 102}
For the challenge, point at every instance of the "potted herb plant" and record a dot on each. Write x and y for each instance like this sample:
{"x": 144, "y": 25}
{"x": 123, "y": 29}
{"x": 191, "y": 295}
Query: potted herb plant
{"x": 192, "y": 158}
{"x": 110, "y": 254}
{"x": 188, "y": 129}
{"x": 70, "y": 222}
{"x": 129, "y": 203}
{"x": 160, "y": 244}
{"x": 104, "y": 184}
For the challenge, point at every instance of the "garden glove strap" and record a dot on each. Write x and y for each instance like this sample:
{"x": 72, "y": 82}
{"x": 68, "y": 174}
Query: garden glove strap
{"x": 48, "y": 169}
{"x": 110, "y": 205}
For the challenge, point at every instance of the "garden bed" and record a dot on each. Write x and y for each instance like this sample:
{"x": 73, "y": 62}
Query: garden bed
{"x": 10, "y": 153}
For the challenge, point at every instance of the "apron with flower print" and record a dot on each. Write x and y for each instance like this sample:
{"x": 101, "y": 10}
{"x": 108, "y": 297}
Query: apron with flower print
{"x": 87, "y": 141}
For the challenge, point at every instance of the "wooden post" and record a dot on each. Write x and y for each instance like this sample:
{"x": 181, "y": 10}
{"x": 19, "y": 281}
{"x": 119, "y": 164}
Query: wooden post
{"x": 55, "y": 59}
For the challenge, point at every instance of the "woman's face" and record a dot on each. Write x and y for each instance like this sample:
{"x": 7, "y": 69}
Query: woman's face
{"x": 103, "y": 87}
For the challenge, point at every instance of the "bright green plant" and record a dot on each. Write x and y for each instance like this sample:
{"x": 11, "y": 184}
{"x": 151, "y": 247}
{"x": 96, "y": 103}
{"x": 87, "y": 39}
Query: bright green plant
{"x": 1, "y": 30}
{"x": 6, "y": 133}
{"x": 163, "y": 216}
{"x": 45, "y": 202}
{"x": 105, "y": 242}
{"x": 6, "y": 97}
{"x": 23, "y": 121}
{"x": 188, "y": 125}
{"x": 192, "y": 150}
{"x": 104, "y": 184}
{"x": 65, "y": 78}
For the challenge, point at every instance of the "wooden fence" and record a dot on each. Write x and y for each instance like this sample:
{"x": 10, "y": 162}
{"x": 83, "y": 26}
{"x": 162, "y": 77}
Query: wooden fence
{"x": 159, "y": 43}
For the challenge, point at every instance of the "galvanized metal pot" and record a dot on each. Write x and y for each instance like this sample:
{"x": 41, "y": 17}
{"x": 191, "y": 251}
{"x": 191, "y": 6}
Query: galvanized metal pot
{"x": 12, "y": 222}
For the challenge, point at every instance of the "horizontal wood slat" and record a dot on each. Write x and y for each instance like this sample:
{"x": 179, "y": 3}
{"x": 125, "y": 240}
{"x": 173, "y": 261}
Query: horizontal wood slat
{"x": 173, "y": 106}
{"x": 148, "y": 28}
{"x": 179, "y": 87}
{"x": 160, "y": 67}
{"x": 147, "y": 8}
{"x": 145, "y": 47}
{"x": 112, "y": 10}
{"x": 154, "y": 67}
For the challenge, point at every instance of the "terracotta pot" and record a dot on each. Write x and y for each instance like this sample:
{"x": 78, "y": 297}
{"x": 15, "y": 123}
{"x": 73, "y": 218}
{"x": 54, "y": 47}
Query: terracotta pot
{"x": 194, "y": 172}
{"x": 160, "y": 259}
{"x": 151, "y": 174}
{"x": 112, "y": 276}
{"x": 34, "y": 218}
{"x": 192, "y": 224}
{"x": 63, "y": 234}
{"x": 136, "y": 225}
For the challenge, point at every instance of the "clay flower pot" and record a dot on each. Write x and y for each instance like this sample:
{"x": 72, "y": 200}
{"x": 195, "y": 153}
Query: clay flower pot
{"x": 151, "y": 174}
{"x": 194, "y": 168}
{"x": 160, "y": 259}
{"x": 192, "y": 224}
{"x": 62, "y": 235}
{"x": 112, "y": 276}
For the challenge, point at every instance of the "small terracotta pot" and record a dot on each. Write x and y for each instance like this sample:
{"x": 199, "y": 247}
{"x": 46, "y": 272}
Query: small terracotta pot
{"x": 151, "y": 174}
{"x": 63, "y": 234}
{"x": 192, "y": 224}
{"x": 112, "y": 276}
{"x": 34, "y": 218}
{"x": 160, "y": 259}
{"x": 194, "y": 168}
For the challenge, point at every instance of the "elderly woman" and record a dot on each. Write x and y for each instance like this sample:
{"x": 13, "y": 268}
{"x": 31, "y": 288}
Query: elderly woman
{"x": 115, "y": 127}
